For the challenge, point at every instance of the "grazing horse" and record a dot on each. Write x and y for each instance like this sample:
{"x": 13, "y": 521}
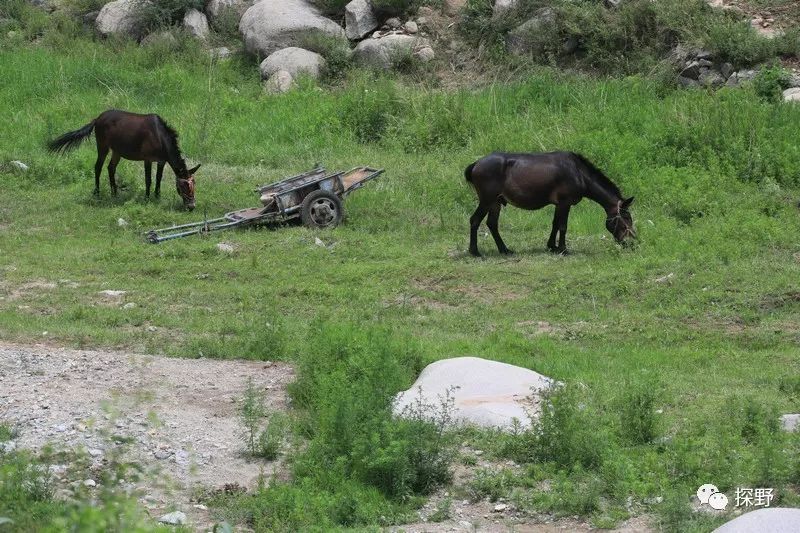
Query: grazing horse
{"x": 137, "y": 138}
{"x": 532, "y": 181}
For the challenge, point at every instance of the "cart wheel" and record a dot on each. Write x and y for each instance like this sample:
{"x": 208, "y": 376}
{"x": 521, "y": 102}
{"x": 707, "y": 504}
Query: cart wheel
{"x": 321, "y": 209}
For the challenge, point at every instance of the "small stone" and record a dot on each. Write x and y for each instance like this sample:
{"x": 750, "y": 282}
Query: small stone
{"x": 790, "y": 422}
{"x": 19, "y": 165}
{"x": 129, "y": 305}
{"x": 425, "y": 54}
{"x": 225, "y": 247}
{"x": 411, "y": 27}
{"x": 162, "y": 454}
{"x": 220, "y": 53}
{"x": 90, "y": 483}
{"x": 654, "y": 501}
{"x": 319, "y": 242}
{"x": 280, "y": 82}
{"x": 200, "y": 506}
{"x": 726, "y": 69}
{"x": 121, "y": 222}
{"x": 94, "y": 452}
{"x": 393, "y": 23}
{"x": 176, "y": 518}
{"x": 792, "y": 95}
{"x": 113, "y": 294}
{"x": 664, "y": 279}
{"x": 152, "y": 329}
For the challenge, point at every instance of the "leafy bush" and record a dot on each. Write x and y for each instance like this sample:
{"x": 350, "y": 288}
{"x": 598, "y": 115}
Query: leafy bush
{"x": 770, "y": 82}
{"x": 337, "y": 54}
{"x": 158, "y": 14}
{"x": 637, "y": 411}
{"x": 368, "y": 107}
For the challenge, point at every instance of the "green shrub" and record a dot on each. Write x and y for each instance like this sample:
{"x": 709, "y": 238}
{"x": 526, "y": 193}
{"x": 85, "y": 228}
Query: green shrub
{"x": 432, "y": 121}
{"x": 251, "y": 412}
{"x": 770, "y": 82}
{"x": 272, "y": 437}
{"x": 337, "y": 54}
{"x": 637, "y": 411}
{"x": 158, "y": 14}
{"x": 368, "y": 107}
{"x": 226, "y": 23}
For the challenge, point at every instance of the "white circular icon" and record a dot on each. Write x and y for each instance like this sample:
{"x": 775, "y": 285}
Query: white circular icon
{"x": 718, "y": 501}
{"x": 705, "y": 492}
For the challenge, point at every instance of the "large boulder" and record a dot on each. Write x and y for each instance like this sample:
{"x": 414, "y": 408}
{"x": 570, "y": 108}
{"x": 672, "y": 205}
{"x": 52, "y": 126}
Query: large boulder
{"x": 270, "y": 25}
{"x": 483, "y": 393}
{"x": 216, "y": 8}
{"x": 196, "y": 23}
{"x": 295, "y": 61}
{"x": 772, "y": 520}
{"x": 359, "y": 19}
{"x": 384, "y": 51}
{"x": 792, "y": 95}
{"x": 522, "y": 40}
{"x": 119, "y": 17}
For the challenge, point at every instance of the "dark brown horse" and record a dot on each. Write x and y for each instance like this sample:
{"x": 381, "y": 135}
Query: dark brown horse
{"x": 137, "y": 138}
{"x": 532, "y": 181}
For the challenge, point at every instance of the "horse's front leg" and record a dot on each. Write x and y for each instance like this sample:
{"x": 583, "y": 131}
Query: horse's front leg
{"x": 491, "y": 222}
{"x": 148, "y": 169}
{"x": 159, "y": 173}
{"x": 562, "y": 215}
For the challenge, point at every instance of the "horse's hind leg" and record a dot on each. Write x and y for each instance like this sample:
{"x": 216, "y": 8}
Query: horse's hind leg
{"x": 474, "y": 223}
{"x": 159, "y": 173}
{"x": 112, "y": 170}
{"x": 102, "y": 152}
{"x": 148, "y": 169}
{"x": 491, "y": 222}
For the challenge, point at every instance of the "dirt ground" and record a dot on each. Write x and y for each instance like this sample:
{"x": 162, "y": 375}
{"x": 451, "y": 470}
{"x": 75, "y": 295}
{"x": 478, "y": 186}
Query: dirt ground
{"x": 174, "y": 417}
{"x": 177, "y": 418}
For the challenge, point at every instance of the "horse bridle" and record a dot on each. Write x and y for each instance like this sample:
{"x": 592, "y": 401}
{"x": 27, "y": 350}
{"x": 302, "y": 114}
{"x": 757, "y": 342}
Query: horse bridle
{"x": 616, "y": 218}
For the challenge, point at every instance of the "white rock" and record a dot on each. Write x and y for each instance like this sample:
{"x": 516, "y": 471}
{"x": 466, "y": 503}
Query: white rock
{"x": 382, "y": 52}
{"x": 393, "y": 23}
{"x": 196, "y": 23}
{"x": 121, "y": 222}
{"x": 487, "y": 393}
{"x": 792, "y": 95}
{"x": 175, "y": 518}
{"x": 319, "y": 242}
{"x": 225, "y": 247}
{"x": 295, "y": 61}
{"x": 790, "y": 422}
{"x": 19, "y": 165}
{"x": 425, "y": 54}
{"x": 359, "y": 19}
{"x": 215, "y": 8}
{"x": 410, "y": 27}
{"x": 500, "y": 507}
{"x": 129, "y": 305}
{"x": 89, "y": 483}
{"x": 119, "y": 17}
{"x": 113, "y": 294}
{"x": 270, "y": 25}
{"x": 94, "y": 452}
{"x": 502, "y": 7}
{"x": 772, "y": 520}
{"x": 8, "y": 446}
{"x": 280, "y": 82}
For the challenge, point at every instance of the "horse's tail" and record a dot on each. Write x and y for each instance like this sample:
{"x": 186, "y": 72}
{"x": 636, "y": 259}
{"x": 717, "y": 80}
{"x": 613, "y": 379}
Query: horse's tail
{"x": 70, "y": 140}
{"x": 468, "y": 172}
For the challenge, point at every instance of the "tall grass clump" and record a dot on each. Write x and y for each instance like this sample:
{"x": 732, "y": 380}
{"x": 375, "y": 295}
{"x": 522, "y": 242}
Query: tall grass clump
{"x": 361, "y": 465}
{"x": 368, "y": 107}
{"x": 639, "y": 422}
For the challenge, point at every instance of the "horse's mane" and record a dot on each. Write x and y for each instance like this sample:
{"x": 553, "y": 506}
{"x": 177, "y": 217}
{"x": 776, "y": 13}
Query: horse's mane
{"x": 173, "y": 135}
{"x": 598, "y": 175}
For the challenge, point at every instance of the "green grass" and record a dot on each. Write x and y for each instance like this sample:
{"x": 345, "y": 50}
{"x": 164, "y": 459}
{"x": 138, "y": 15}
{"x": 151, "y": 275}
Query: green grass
{"x": 715, "y": 177}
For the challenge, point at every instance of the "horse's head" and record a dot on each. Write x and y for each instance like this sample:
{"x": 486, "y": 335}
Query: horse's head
{"x": 185, "y": 185}
{"x": 619, "y": 222}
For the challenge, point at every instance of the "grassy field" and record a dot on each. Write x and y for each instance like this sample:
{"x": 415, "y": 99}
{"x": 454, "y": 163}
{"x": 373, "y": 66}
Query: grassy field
{"x": 704, "y": 308}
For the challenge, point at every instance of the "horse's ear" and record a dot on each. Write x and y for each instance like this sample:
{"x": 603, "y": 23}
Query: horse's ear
{"x": 193, "y": 170}
{"x": 627, "y": 202}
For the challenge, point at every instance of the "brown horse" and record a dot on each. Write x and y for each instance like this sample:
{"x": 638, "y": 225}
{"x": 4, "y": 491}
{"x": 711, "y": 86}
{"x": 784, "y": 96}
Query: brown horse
{"x": 137, "y": 138}
{"x": 532, "y": 181}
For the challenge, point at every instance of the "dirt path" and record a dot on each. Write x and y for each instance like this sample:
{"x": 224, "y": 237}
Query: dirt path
{"x": 176, "y": 417}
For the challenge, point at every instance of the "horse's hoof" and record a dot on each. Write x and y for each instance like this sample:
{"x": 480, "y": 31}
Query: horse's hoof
{"x": 507, "y": 252}
{"x": 474, "y": 253}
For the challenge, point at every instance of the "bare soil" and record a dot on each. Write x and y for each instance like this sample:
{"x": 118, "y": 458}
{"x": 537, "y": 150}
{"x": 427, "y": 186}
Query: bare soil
{"x": 176, "y": 418}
